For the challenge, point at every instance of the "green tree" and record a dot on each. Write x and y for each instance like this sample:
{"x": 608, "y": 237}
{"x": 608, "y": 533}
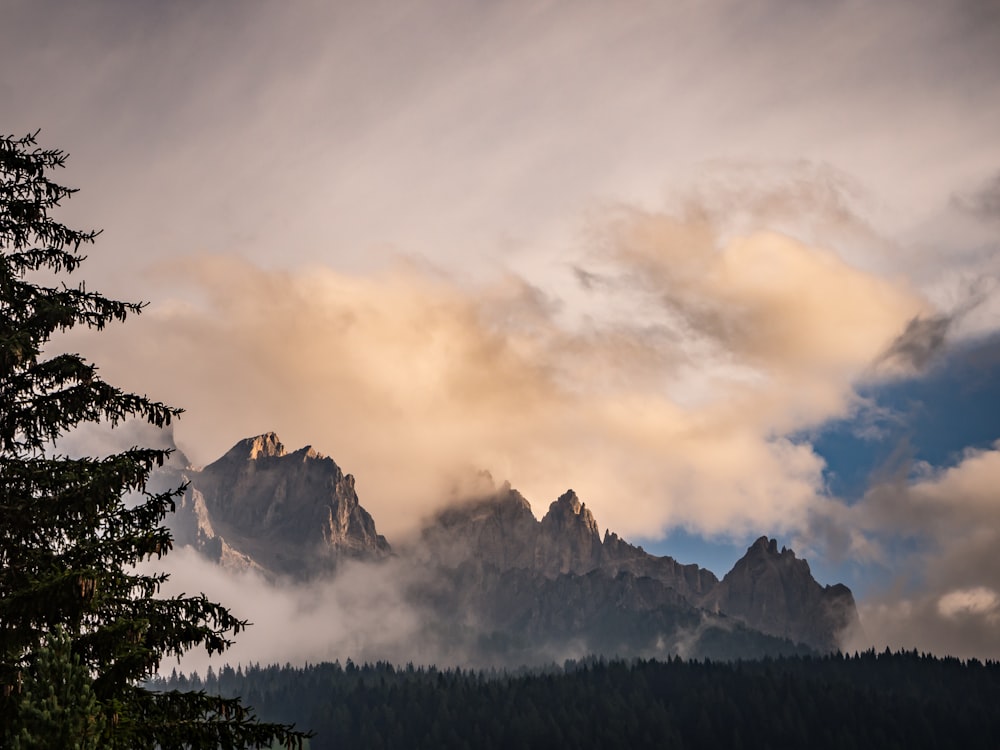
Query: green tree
{"x": 69, "y": 534}
{"x": 58, "y": 707}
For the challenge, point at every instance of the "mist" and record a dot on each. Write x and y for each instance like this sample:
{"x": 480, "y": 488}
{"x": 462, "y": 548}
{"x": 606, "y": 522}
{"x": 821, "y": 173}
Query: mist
{"x": 362, "y": 614}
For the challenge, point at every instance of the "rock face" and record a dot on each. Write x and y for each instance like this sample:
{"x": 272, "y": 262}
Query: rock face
{"x": 568, "y": 538}
{"x": 489, "y": 539}
{"x": 283, "y": 513}
{"x": 690, "y": 580}
{"x": 497, "y": 530}
{"x": 500, "y": 530}
{"x": 493, "y": 580}
{"x": 193, "y": 525}
{"x": 775, "y": 593}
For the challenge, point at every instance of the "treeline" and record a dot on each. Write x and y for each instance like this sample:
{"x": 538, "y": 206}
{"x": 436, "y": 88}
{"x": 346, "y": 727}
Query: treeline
{"x": 883, "y": 700}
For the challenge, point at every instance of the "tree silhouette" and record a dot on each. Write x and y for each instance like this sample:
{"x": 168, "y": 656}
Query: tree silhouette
{"x": 72, "y": 530}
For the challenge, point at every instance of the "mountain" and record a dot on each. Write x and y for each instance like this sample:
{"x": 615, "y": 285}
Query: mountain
{"x": 775, "y": 592}
{"x": 770, "y": 592}
{"x": 500, "y": 530}
{"x": 496, "y": 584}
{"x": 293, "y": 514}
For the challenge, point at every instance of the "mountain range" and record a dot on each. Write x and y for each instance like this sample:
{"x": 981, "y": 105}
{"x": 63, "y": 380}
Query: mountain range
{"x": 495, "y": 584}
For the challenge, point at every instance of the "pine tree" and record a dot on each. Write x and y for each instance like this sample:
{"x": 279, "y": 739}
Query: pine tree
{"x": 70, "y": 535}
{"x": 58, "y": 707}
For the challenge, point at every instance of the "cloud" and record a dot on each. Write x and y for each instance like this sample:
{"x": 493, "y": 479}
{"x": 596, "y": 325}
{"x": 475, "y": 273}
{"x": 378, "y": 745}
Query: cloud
{"x": 366, "y": 126}
{"x": 362, "y": 614}
{"x": 916, "y": 622}
{"x": 679, "y": 414}
{"x": 765, "y": 298}
{"x": 974, "y": 601}
{"x": 952, "y": 499}
{"x": 811, "y": 200}
{"x": 944, "y": 526}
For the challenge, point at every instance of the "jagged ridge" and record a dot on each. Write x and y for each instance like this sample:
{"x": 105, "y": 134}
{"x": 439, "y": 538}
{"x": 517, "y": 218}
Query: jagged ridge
{"x": 770, "y": 591}
{"x": 297, "y": 514}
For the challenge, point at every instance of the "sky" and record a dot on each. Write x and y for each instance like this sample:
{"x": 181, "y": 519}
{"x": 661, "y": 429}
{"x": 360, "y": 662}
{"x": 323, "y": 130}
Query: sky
{"x": 724, "y": 268}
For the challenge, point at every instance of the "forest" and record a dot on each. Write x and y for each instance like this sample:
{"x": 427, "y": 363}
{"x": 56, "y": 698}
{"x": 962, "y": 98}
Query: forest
{"x": 865, "y": 700}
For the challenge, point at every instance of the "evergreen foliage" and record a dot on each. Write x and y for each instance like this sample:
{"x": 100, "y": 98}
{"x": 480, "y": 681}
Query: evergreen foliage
{"x": 872, "y": 700}
{"x": 58, "y": 707}
{"x": 69, "y": 539}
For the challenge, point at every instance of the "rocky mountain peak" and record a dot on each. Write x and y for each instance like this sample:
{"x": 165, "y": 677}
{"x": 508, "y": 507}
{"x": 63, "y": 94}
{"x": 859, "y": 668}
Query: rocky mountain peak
{"x": 308, "y": 453}
{"x": 291, "y": 513}
{"x": 569, "y": 541}
{"x": 764, "y": 546}
{"x": 567, "y": 512}
{"x": 267, "y": 445}
{"x": 505, "y": 503}
{"x": 775, "y": 592}
{"x": 497, "y": 529}
{"x": 768, "y": 548}
{"x": 568, "y": 500}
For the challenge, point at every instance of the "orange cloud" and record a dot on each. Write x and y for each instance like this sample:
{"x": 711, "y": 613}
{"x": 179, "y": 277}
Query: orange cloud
{"x": 411, "y": 380}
